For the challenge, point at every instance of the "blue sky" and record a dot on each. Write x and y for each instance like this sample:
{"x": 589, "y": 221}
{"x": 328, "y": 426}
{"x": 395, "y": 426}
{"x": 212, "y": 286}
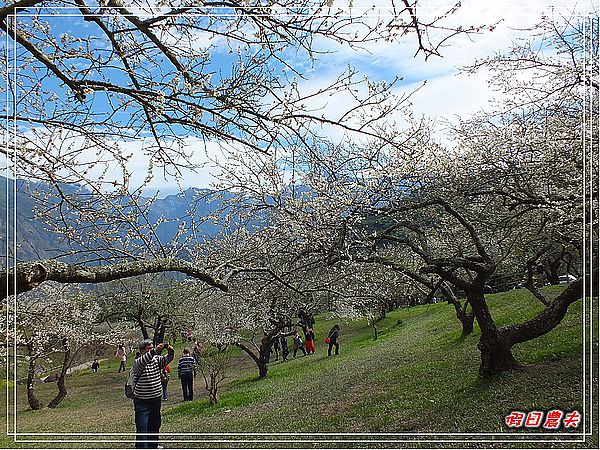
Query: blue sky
{"x": 447, "y": 93}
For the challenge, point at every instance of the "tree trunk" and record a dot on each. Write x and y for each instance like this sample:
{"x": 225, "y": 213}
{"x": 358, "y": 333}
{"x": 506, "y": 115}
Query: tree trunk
{"x": 213, "y": 392}
{"x": 547, "y": 319}
{"x": 551, "y": 271}
{"x": 142, "y": 325}
{"x": 467, "y": 324}
{"x": 496, "y": 356}
{"x": 263, "y": 360}
{"x": 307, "y": 319}
{"x": 159, "y": 330}
{"x": 261, "y": 354}
{"x": 465, "y": 319}
{"x": 375, "y": 330}
{"x": 34, "y": 402}
{"x": 260, "y": 362}
{"x": 60, "y": 383}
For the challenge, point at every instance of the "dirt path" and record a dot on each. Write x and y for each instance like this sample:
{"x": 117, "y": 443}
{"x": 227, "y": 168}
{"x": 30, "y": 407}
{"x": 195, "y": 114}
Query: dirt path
{"x": 70, "y": 370}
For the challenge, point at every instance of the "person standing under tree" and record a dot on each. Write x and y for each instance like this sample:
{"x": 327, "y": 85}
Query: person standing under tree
{"x": 165, "y": 374}
{"x": 197, "y": 352}
{"x": 95, "y": 365}
{"x": 309, "y": 341}
{"x": 121, "y": 354}
{"x": 276, "y": 349}
{"x": 298, "y": 344}
{"x": 186, "y": 370}
{"x": 148, "y": 392}
{"x": 285, "y": 351}
{"x": 333, "y": 336}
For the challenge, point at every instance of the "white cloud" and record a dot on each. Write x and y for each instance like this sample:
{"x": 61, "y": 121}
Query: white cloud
{"x": 451, "y": 95}
{"x": 448, "y": 93}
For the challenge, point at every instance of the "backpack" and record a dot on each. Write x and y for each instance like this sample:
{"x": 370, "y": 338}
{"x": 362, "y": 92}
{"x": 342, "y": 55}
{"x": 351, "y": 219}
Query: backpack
{"x": 130, "y": 384}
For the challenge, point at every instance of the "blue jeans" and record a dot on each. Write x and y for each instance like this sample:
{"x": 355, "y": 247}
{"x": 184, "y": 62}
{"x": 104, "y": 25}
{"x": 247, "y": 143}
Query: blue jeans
{"x": 187, "y": 385}
{"x": 147, "y": 421}
{"x": 165, "y": 391}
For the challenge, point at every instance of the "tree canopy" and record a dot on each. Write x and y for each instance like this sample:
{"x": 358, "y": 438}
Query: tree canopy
{"x": 382, "y": 209}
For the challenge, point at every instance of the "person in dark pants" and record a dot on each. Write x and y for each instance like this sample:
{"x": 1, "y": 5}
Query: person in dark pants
{"x": 186, "y": 370}
{"x": 276, "y": 349}
{"x": 121, "y": 354}
{"x": 148, "y": 392}
{"x": 333, "y": 336}
{"x": 285, "y": 350}
{"x": 165, "y": 374}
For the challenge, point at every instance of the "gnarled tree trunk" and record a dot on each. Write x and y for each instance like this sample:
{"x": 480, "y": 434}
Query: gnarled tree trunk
{"x": 496, "y": 355}
{"x": 259, "y": 360}
{"x": 34, "y": 402}
{"x": 547, "y": 319}
{"x": 466, "y": 320}
{"x": 495, "y": 344}
{"x": 160, "y": 329}
{"x": 551, "y": 270}
{"x": 139, "y": 318}
{"x": 62, "y": 389}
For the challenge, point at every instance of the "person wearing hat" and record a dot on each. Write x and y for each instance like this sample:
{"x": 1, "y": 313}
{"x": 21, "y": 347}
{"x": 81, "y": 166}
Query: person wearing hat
{"x": 148, "y": 391}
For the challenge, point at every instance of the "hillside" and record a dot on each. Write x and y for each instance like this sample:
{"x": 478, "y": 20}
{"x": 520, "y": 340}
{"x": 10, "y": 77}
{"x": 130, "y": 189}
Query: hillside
{"x": 420, "y": 376}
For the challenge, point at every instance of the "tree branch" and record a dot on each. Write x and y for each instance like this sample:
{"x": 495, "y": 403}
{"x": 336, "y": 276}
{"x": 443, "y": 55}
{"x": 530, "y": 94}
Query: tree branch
{"x": 29, "y": 275}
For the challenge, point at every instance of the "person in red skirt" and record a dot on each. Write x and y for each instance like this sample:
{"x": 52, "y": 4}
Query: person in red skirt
{"x": 309, "y": 341}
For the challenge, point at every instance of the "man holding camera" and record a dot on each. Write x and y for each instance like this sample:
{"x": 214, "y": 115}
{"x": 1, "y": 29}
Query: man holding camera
{"x": 148, "y": 391}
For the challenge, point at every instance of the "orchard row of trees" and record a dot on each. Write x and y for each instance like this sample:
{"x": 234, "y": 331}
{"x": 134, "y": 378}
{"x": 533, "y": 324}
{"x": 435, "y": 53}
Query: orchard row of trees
{"x": 371, "y": 220}
{"x": 349, "y": 213}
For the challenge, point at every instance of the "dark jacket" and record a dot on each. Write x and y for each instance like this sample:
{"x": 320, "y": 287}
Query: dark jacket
{"x": 333, "y": 335}
{"x": 284, "y": 344}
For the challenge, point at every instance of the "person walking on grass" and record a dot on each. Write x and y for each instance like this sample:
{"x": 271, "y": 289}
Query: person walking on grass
{"x": 148, "y": 392}
{"x": 285, "y": 350}
{"x": 165, "y": 374}
{"x": 121, "y": 354}
{"x": 309, "y": 341}
{"x": 197, "y": 352}
{"x": 276, "y": 349}
{"x": 95, "y": 365}
{"x": 333, "y": 337}
{"x": 186, "y": 370}
{"x": 298, "y": 344}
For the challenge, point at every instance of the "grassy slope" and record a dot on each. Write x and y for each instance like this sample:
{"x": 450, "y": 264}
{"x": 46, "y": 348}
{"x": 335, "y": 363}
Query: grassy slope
{"x": 419, "y": 376}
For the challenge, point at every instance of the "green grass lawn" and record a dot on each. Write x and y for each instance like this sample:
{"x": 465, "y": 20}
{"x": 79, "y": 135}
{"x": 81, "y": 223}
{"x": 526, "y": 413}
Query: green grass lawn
{"x": 420, "y": 376}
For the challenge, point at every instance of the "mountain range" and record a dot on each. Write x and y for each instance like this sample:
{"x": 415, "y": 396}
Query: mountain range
{"x": 34, "y": 241}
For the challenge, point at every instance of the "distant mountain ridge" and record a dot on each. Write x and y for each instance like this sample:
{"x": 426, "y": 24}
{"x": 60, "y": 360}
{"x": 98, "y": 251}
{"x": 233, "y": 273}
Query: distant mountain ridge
{"x": 35, "y": 242}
